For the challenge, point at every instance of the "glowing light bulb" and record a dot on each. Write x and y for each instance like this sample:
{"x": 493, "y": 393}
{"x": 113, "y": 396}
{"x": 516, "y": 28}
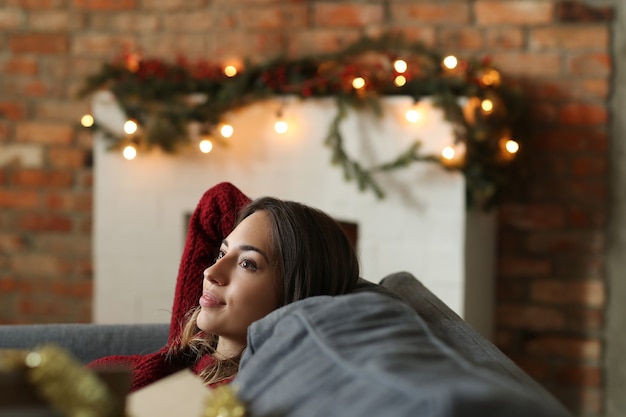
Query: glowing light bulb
{"x": 486, "y": 106}
{"x": 129, "y": 152}
{"x": 358, "y": 83}
{"x": 400, "y": 66}
{"x": 511, "y": 146}
{"x": 205, "y": 146}
{"x": 448, "y": 153}
{"x": 400, "y": 80}
{"x": 490, "y": 77}
{"x": 87, "y": 120}
{"x": 281, "y": 127}
{"x": 130, "y": 127}
{"x": 450, "y": 62}
{"x": 226, "y": 130}
{"x": 230, "y": 70}
{"x": 413, "y": 115}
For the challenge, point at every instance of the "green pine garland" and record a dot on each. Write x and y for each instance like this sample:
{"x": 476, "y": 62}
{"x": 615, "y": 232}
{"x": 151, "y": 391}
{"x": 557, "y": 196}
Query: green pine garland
{"x": 156, "y": 94}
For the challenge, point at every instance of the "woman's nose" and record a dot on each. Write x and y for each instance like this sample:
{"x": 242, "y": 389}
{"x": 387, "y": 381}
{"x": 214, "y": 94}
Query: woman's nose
{"x": 214, "y": 275}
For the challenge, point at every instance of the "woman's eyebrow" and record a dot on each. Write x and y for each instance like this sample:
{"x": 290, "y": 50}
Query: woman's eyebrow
{"x": 249, "y": 248}
{"x": 254, "y": 249}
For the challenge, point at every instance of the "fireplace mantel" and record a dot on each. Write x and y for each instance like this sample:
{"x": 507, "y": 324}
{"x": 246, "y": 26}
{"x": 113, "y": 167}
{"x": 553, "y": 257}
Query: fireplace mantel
{"x": 421, "y": 226}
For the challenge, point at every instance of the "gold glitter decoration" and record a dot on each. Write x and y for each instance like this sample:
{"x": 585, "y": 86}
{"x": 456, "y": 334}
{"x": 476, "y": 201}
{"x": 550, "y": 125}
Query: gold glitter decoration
{"x": 223, "y": 402}
{"x": 67, "y": 385}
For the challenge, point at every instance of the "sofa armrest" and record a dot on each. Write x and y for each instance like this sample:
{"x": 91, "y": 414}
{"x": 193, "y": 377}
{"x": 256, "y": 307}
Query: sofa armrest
{"x": 456, "y": 332}
{"x": 87, "y": 341}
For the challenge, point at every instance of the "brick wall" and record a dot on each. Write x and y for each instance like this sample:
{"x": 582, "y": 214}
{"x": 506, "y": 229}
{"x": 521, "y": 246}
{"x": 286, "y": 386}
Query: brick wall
{"x": 551, "y": 283}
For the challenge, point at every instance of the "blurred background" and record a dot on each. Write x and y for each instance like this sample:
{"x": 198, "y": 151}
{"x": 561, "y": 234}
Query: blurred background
{"x": 559, "y": 269}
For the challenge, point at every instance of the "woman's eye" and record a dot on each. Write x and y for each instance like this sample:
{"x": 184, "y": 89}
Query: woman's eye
{"x": 220, "y": 255}
{"x": 248, "y": 264}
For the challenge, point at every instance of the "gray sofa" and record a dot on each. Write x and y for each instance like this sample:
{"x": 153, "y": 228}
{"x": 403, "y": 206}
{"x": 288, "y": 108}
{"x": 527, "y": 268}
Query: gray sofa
{"x": 414, "y": 356}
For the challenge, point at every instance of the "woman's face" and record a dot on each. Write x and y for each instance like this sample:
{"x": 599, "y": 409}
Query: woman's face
{"x": 240, "y": 287}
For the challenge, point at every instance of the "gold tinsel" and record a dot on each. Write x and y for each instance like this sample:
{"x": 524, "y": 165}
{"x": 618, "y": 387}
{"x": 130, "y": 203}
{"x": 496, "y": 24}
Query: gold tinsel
{"x": 67, "y": 385}
{"x": 223, "y": 402}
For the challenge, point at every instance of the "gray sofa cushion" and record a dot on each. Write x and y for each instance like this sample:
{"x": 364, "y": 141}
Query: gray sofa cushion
{"x": 87, "y": 341}
{"x": 369, "y": 354}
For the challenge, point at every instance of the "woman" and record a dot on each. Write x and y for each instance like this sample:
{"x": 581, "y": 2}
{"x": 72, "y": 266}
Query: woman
{"x": 278, "y": 252}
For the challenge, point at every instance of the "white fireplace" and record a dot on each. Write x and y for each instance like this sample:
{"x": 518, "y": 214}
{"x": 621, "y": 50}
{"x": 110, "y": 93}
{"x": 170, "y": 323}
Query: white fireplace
{"x": 421, "y": 226}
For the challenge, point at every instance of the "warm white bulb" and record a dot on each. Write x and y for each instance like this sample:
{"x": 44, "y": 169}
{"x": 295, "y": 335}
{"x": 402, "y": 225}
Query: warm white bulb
{"x": 358, "y": 83}
{"x": 130, "y": 127}
{"x": 413, "y": 116}
{"x": 450, "y": 62}
{"x": 281, "y": 127}
{"x": 400, "y": 66}
{"x": 399, "y": 81}
{"x": 230, "y": 70}
{"x": 226, "y": 130}
{"x": 129, "y": 152}
{"x": 511, "y": 146}
{"x": 487, "y": 106}
{"x": 87, "y": 120}
{"x": 448, "y": 153}
{"x": 205, "y": 146}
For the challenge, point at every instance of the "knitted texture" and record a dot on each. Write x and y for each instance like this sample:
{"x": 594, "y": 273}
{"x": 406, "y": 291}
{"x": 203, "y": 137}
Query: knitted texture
{"x": 212, "y": 220}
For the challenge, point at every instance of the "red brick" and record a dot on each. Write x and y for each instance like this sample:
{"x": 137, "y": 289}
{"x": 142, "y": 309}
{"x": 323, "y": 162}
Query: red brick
{"x": 104, "y": 45}
{"x": 584, "y": 320}
{"x": 584, "y": 190}
{"x": 20, "y": 66}
{"x": 36, "y": 265}
{"x": 11, "y": 242}
{"x": 55, "y": 21}
{"x": 39, "y": 43}
{"x": 431, "y": 13}
{"x": 588, "y": 376}
{"x": 590, "y": 166}
{"x": 271, "y": 18}
{"x": 314, "y": 41}
{"x": 578, "y": 140}
{"x": 171, "y": 4}
{"x": 529, "y": 317}
{"x": 570, "y": 37}
{"x": 42, "y": 178}
{"x": 67, "y": 158}
{"x": 587, "y": 293}
{"x": 44, "y": 222}
{"x": 461, "y": 38}
{"x": 41, "y": 4}
{"x": 585, "y": 217}
{"x": 533, "y": 64}
{"x": 524, "y": 12}
{"x": 594, "y": 64}
{"x": 565, "y": 347}
{"x": 573, "y": 11}
{"x": 504, "y": 38}
{"x": 581, "y": 114}
{"x": 11, "y": 18}
{"x": 566, "y": 242}
{"x": 20, "y": 199}
{"x": 47, "y": 133}
{"x": 347, "y": 15}
{"x": 532, "y": 217}
{"x": 12, "y": 110}
{"x": 519, "y": 266}
{"x": 127, "y": 22}
{"x": 193, "y": 20}
{"x": 105, "y": 4}
{"x": 72, "y": 289}
{"x": 70, "y": 201}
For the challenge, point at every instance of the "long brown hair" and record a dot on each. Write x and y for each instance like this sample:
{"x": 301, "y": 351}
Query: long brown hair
{"x": 312, "y": 256}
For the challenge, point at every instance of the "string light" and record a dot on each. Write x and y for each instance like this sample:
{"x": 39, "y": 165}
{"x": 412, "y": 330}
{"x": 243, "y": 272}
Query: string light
{"x": 510, "y": 145}
{"x": 448, "y": 153}
{"x": 226, "y": 130}
{"x": 205, "y": 145}
{"x": 450, "y": 62}
{"x": 358, "y": 83}
{"x": 230, "y": 70}
{"x": 281, "y": 127}
{"x": 491, "y": 77}
{"x": 399, "y": 81}
{"x": 486, "y": 106}
{"x": 400, "y": 66}
{"x": 130, "y": 127}
{"x": 87, "y": 120}
{"x": 129, "y": 152}
{"x": 413, "y": 115}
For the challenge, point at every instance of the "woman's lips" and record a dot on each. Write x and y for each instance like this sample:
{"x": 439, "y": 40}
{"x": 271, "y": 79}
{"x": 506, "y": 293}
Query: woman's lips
{"x": 209, "y": 299}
